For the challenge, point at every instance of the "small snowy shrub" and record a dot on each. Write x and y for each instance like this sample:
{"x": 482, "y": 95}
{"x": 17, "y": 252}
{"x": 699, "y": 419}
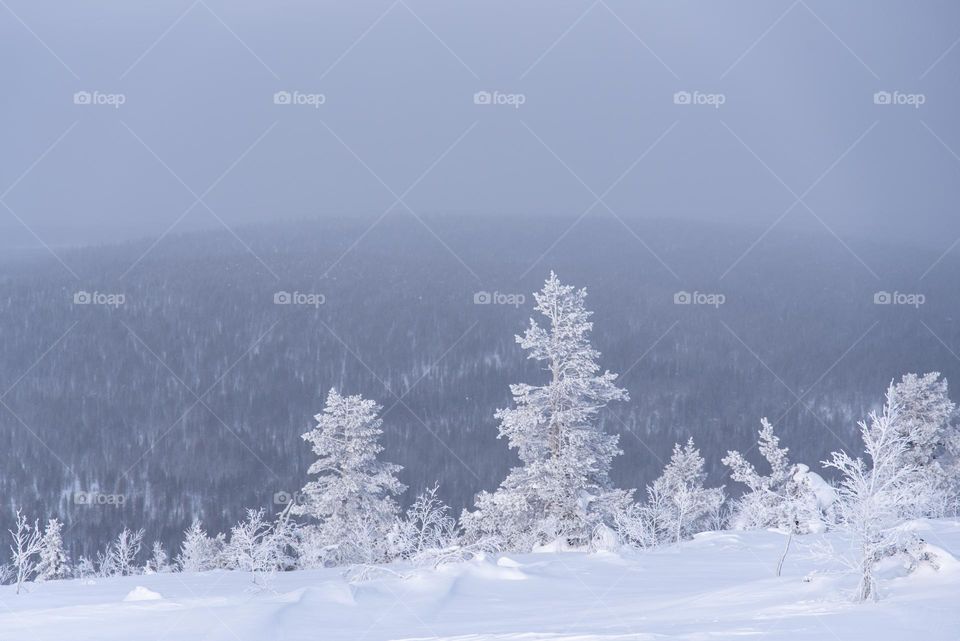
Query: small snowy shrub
{"x": 119, "y": 558}
{"x": 678, "y": 504}
{"x": 25, "y": 549}
{"x": 258, "y": 546}
{"x": 426, "y": 528}
{"x": 199, "y": 552}
{"x": 872, "y": 498}
{"x": 159, "y": 561}
{"x": 784, "y": 498}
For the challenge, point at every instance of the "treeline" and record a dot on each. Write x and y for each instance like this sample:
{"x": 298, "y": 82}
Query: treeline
{"x": 101, "y": 425}
{"x": 561, "y": 496}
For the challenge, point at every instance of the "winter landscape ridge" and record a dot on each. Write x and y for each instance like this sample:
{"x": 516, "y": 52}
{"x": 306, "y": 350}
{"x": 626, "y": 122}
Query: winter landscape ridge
{"x": 556, "y": 527}
{"x": 419, "y": 320}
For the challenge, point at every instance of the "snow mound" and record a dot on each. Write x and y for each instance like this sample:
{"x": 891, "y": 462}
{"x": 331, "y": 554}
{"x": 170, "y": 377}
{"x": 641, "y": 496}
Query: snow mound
{"x": 141, "y": 593}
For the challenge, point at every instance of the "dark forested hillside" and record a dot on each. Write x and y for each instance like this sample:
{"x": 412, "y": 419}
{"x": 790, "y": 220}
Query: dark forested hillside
{"x": 189, "y": 398}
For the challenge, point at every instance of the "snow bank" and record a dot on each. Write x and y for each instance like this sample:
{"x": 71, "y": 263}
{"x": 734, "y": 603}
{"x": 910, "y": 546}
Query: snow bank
{"x": 141, "y": 593}
{"x": 507, "y": 562}
{"x": 720, "y": 586}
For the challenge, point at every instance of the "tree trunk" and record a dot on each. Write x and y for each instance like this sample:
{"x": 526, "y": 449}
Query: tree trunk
{"x": 785, "y": 550}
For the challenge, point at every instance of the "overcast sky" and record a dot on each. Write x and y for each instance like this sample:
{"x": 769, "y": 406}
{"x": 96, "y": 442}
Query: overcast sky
{"x": 179, "y": 126}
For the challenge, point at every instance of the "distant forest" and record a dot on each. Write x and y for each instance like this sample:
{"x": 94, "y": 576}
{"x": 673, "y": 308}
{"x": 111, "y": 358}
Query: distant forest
{"x": 189, "y": 399}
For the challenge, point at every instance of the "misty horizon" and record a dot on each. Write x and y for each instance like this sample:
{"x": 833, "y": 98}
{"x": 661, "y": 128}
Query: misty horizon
{"x": 783, "y": 126}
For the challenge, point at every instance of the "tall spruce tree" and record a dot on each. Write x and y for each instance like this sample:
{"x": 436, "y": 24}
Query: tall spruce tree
{"x": 562, "y": 489}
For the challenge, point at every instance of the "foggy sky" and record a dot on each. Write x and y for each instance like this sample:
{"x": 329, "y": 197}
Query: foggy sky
{"x": 399, "y": 121}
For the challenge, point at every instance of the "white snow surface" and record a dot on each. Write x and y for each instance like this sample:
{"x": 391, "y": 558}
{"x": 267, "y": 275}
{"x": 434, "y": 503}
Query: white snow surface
{"x": 719, "y": 586}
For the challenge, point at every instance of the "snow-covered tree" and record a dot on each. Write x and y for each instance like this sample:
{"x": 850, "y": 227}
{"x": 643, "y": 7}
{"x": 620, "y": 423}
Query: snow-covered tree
{"x": 563, "y": 489}
{"x": 106, "y": 562}
{"x": 426, "y": 528}
{"x": 85, "y": 568}
{"x": 199, "y": 552}
{"x": 952, "y": 470}
{"x": 120, "y": 556}
{"x": 25, "y": 549}
{"x": 258, "y": 546}
{"x": 159, "y": 561}
{"x": 872, "y": 497}
{"x": 311, "y": 549}
{"x": 636, "y": 525}
{"x": 352, "y": 496}
{"x": 678, "y": 503}
{"x": 924, "y": 413}
{"x": 53, "y": 562}
{"x": 783, "y": 498}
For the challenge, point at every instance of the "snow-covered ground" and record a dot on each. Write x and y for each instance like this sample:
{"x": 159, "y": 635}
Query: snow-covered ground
{"x": 719, "y": 586}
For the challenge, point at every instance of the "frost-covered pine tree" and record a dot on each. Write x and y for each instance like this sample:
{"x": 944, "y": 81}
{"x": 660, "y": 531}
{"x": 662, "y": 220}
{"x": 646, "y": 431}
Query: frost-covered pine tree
{"x": 679, "y": 504}
{"x": 562, "y": 490}
{"x": 53, "y": 562}
{"x": 872, "y": 498}
{"x": 352, "y": 496}
{"x": 924, "y": 414}
{"x": 782, "y": 498}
